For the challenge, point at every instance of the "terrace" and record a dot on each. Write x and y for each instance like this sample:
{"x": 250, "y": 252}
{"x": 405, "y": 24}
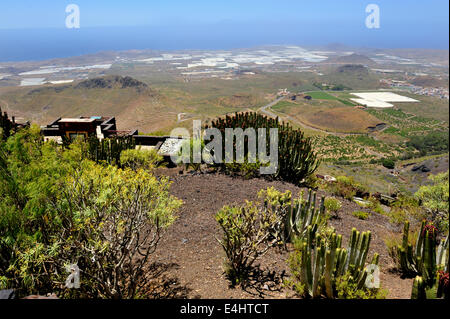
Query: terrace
{"x": 71, "y": 128}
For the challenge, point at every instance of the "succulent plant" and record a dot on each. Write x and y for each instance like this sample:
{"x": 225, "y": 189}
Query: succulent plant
{"x": 324, "y": 261}
{"x": 297, "y": 159}
{"x": 427, "y": 256}
{"x": 302, "y": 214}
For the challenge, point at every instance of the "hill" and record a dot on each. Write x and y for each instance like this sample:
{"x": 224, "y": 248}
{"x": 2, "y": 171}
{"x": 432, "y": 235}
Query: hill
{"x": 429, "y": 81}
{"x": 352, "y": 59}
{"x": 133, "y": 102}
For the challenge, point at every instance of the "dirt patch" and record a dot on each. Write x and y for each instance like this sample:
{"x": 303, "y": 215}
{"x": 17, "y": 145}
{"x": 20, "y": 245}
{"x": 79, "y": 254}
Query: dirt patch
{"x": 196, "y": 258}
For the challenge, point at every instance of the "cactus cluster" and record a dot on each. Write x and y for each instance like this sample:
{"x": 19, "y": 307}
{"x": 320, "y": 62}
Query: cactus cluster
{"x": 434, "y": 288}
{"x": 108, "y": 150}
{"x": 427, "y": 256}
{"x": 6, "y": 125}
{"x": 428, "y": 260}
{"x": 323, "y": 260}
{"x": 303, "y": 214}
{"x": 296, "y": 161}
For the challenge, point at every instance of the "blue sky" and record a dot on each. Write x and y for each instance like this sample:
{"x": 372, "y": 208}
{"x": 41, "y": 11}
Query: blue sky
{"x": 189, "y": 24}
{"x": 94, "y": 13}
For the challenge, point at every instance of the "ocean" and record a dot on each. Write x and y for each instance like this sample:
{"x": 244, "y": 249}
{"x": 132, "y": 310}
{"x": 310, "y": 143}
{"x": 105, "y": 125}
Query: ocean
{"x": 43, "y": 44}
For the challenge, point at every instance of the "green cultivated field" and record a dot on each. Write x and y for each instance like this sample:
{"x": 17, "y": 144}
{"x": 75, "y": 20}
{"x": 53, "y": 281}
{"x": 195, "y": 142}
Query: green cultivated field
{"x": 321, "y": 96}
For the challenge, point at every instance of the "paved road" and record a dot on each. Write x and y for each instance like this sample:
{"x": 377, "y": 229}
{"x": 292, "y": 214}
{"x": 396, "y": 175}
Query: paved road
{"x": 268, "y": 106}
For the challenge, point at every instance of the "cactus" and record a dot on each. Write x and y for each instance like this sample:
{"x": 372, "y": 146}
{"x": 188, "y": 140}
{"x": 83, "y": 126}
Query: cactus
{"x": 327, "y": 260}
{"x": 431, "y": 260}
{"x": 109, "y": 149}
{"x": 297, "y": 160}
{"x": 434, "y": 288}
{"x": 427, "y": 256}
{"x": 300, "y": 215}
{"x": 6, "y": 126}
{"x": 418, "y": 290}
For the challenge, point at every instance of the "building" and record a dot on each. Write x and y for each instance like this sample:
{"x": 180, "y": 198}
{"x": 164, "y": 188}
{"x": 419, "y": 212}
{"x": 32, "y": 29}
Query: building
{"x": 71, "y": 128}
{"x": 105, "y": 127}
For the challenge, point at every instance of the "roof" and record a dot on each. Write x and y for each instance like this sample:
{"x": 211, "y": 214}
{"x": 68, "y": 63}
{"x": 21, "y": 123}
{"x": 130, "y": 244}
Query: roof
{"x": 71, "y": 120}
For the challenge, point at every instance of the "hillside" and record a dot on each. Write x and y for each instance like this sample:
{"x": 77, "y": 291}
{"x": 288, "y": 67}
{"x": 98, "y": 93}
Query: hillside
{"x": 352, "y": 59}
{"x": 191, "y": 249}
{"x": 133, "y": 102}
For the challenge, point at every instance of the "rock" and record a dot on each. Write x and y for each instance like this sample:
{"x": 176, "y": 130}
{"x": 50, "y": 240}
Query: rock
{"x": 423, "y": 168}
{"x": 7, "y": 294}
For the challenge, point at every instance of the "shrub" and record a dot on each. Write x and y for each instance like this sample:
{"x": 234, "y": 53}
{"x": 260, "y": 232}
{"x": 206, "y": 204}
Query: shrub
{"x": 140, "y": 159}
{"x": 433, "y": 142}
{"x": 188, "y": 159}
{"x": 435, "y": 198}
{"x": 333, "y": 205}
{"x": 347, "y": 187}
{"x": 247, "y": 235}
{"x": 361, "y": 215}
{"x": 376, "y": 206}
{"x": 59, "y": 209}
{"x": 274, "y": 197}
{"x": 246, "y": 169}
{"x": 347, "y": 288}
{"x": 388, "y": 163}
{"x": 106, "y": 209}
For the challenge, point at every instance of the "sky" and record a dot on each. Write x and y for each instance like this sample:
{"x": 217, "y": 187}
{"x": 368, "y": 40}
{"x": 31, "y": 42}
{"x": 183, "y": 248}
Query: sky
{"x": 39, "y": 25}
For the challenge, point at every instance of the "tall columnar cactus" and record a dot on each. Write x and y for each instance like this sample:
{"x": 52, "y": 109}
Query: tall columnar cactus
{"x": 434, "y": 288}
{"x": 322, "y": 264}
{"x": 108, "y": 150}
{"x": 6, "y": 125}
{"x": 303, "y": 214}
{"x": 427, "y": 256}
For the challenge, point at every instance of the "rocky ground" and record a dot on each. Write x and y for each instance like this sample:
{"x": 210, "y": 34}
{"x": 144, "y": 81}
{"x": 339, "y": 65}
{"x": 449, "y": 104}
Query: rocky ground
{"x": 189, "y": 259}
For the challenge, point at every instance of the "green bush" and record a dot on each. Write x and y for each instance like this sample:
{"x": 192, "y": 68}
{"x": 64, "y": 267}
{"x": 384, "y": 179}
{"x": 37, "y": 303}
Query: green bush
{"x": 435, "y": 199}
{"x": 361, "y": 215}
{"x": 388, "y": 163}
{"x": 333, "y": 205}
{"x": 347, "y": 288}
{"x": 59, "y": 208}
{"x": 347, "y": 187}
{"x": 136, "y": 159}
{"x": 434, "y": 142}
{"x": 188, "y": 158}
{"x": 247, "y": 235}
